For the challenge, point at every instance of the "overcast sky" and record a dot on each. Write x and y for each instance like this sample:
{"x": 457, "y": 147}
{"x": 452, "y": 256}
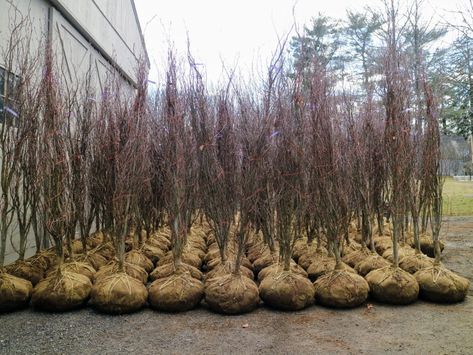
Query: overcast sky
{"x": 241, "y": 31}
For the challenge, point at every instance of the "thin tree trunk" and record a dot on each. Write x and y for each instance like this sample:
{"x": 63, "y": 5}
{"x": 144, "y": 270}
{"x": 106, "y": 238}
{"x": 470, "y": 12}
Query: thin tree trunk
{"x": 415, "y": 225}
{"x": 395, "y": 239}
{"x": 338, "y": 258}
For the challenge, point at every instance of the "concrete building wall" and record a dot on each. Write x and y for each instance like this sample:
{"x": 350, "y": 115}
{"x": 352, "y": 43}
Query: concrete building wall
{"x": 100, "y": 36}
{"x": 10, "y": 15}
{"x": 112, "y": 27}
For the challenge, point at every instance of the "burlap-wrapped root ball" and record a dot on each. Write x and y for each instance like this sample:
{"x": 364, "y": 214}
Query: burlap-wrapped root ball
{"x": 370, "y": 263}
{"x": 118, "y": 293}
{"x": 324, "y": 265}
{"x": 25, "y": 270}
{"x": 176, "y": 293}
{"x": 232, "y": 294}
{"x": 43, "y": 260}
{"x": 438, "y": 284}
{"x": 168, "y": 269}
{"x": 257, "y": 251}
{"x": 286, "y": 291}
{"x": 357, "y": 237}
{"x": 386, "y": 229}
{"x": 197, "y": 242}
{"x": 267, "y": 259}
{"x": 96, "y": 260}
{"x": 15, "y": 292}
{"x": 427, "y": 245}
{"x": 350, "y": 248}
{"x": 189, "y": 257}
{"x": 341, "y": 289}
{"x": 213, "y": 250}
{"x": 393, "y": 285}
{"x": 212, "y": 253}
{"x": 244, "y": 262}
{"x": 416, "y": 262}
{"x": 152, "y": 252}
{"x": 76, "y": 247}
{"x": 196, "y": 251}
{"x": 76, "y": 267}
{"x": 225, "y": 269}
{"x": 106, "y": 250}
{"x": 355, "y": 257}
{"x": 130, "y": 241}
{"x": 308, "y": 258}
{"x": 95, "y": 239}
{"x": 278, "y": 268}
{"x": 61, "y": 291}
{"x": 138, "y": 258}
{"x": 131, "y": 269}
{"x": 381, "y": 244}
{"x": 160, "y": 241}
{"x": 300, "y": 248}
{"x": 402, "y": 253}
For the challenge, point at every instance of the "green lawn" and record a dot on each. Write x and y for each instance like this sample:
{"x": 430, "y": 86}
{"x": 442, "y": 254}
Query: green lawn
{"x": 457, "y": 198}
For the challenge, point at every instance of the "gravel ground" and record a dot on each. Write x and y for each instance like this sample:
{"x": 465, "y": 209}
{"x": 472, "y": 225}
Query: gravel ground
{"x": 421, "y": 328}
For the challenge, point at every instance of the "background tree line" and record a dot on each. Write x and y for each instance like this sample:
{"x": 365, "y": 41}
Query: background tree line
{"x": 351, "y": 50}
